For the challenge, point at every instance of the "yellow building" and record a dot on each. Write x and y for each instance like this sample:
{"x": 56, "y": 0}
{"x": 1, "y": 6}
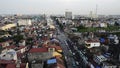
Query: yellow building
{"x": 57, "y": 50}
{"x": 8, "y": 26}
{"x": 56, "y": 54}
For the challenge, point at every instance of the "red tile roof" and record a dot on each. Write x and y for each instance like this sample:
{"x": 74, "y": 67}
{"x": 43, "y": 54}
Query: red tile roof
{"x": 0, "y": 44}
{"x": 11, "y": 47}
{"x": 33, "y": 50}
{"x": 21, "y": 47}
{"x": 92, "y": 41}
{"x": 6, "y": 61}
{"x": 11, "y": 66}
{"x": 19, "y": 55}
{"x": 56, "y": 47}
{"x": 22, "y": 65}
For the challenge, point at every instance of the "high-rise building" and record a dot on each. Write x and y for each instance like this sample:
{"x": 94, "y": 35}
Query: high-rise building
{"x": 68, "y": 15}
{"x": 91, "y": 14}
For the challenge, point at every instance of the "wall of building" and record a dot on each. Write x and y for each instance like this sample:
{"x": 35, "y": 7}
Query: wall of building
{"x": 24, "y": 22}
{"x": 40, "y": 56}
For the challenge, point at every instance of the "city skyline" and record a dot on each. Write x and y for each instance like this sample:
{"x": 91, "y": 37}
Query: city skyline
{"x": 105, "y": 7}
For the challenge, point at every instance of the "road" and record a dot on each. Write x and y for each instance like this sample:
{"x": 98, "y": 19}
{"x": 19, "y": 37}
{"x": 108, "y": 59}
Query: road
{"x": 66, "y": 50}
{"x": 75, "y": 58}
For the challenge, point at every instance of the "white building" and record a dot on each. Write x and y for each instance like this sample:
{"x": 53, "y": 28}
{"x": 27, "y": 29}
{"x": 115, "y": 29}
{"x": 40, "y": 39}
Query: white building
{"x": 9, "y": 55}
{"x": 108, "y": 65}
{"x": 22, "y": 49}
{"x": 68, "y": 15}
{"x": 25, "y": 22}
{"x": 22, "y": 43}
{"x": 91, "y": 44}
{"x": 103, "y": 25}
{"x": 8, "y": 26}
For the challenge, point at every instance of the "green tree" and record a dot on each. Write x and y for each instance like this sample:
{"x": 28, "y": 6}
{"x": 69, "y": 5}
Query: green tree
{"x": 17, "y": 38}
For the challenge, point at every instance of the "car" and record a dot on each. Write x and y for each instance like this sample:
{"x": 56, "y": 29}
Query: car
{"x": 77, "y": 62}
{"x": 65, "y": 57}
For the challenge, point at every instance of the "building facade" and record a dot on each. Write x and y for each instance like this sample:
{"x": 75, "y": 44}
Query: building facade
{"x": 68, "y": 15}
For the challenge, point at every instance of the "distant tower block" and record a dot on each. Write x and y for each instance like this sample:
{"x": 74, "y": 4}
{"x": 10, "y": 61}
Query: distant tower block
{"x": 91, "y": 14}
{"x": 68, "y": 15}
{"x": 96, "y": 15}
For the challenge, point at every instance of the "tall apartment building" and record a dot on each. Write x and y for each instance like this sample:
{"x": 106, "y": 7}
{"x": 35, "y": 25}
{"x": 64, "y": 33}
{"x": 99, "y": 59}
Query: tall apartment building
{"x": 68, "y": 15}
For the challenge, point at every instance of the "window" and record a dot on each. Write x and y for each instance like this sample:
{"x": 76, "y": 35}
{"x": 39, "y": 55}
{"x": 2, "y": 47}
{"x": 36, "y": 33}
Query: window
{"x": 87, "y": 45}
{"x": 51, "y": 49}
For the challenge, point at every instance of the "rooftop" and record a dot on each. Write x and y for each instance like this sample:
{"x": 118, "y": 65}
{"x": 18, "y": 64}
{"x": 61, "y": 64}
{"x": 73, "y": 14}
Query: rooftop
{"x": 56, "y": 47}
{"x": 11, "y": 66}
{"x": 6, "y": 61}
{"x": 22, "y": 65}
{"x": 92, "y": 41}
{"x": 13, "y": 47}
{"x": 34, "y": 50}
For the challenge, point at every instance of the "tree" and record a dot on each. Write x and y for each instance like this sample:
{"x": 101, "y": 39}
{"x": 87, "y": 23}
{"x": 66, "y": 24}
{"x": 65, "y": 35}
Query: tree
{"x": 17, "y": 38}
{"x": 116, "y": 23}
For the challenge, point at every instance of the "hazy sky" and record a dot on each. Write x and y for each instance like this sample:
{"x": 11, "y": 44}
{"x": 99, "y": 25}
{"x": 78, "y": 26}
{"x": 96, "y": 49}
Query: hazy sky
{"x": 59, "y": 6}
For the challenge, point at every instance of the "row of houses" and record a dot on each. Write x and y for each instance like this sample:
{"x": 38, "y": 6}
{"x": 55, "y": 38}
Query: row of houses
{"x": 39, "y": 47}
{"x": 102, "y": 56}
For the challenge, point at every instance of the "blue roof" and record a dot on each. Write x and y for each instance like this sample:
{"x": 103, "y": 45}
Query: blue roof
{"x": 107, "y": 55}
{"x": 98, "y": 67}
{"x": 51, "y": 61}
{"x": 102, "y": 40}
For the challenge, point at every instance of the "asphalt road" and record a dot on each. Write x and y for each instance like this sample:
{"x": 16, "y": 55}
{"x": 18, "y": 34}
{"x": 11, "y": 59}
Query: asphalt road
{"x": 72, "y": 53}
{"x": 66, "y": 50}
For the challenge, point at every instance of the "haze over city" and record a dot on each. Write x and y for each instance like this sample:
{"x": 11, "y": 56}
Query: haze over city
{"x": 59, "y": 33}
{"x": 59, "y": 6}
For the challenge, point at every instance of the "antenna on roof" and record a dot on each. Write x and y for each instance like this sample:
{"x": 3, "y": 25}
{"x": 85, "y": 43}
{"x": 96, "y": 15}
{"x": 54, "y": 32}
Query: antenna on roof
{"x": 96, "y": 10}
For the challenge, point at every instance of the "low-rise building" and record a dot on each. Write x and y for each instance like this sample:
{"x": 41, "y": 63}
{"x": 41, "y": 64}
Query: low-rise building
{"x": 92, "y": 43}
{"x": 39, "y": 54}
{"x": 99, "y": 59}
{"x": 103, "y": 24}
{"x": 43, "y": 54}
{"x": 108, "y": 65}
{"x": 8, "y": 55}
{"x": 20, "y": 49}
{"x": 21, "y": 65}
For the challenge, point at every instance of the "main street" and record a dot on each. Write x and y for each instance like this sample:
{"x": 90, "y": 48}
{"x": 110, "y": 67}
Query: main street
{"x": 74, "y": 56}
{"x": 66, "y": 50}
